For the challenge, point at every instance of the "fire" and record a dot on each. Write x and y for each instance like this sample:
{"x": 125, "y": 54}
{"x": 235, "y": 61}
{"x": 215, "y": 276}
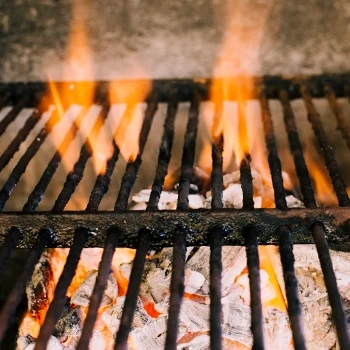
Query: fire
{"x": 322, "y": 184}
{"x": 130, "y": 93}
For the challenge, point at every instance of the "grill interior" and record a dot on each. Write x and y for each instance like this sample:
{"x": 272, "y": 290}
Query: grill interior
{"x": 181, "y": 228}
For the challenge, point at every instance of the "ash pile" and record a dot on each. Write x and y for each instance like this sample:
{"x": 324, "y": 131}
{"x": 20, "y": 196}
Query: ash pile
{"x": 150, "y": 318}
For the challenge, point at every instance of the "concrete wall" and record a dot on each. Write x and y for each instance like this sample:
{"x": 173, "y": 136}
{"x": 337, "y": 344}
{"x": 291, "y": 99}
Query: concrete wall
{"x": 179, "y": 38}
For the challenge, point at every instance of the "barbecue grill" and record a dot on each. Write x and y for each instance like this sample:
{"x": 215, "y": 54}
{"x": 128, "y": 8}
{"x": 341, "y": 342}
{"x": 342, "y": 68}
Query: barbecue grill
{"x": 182, "y": 228}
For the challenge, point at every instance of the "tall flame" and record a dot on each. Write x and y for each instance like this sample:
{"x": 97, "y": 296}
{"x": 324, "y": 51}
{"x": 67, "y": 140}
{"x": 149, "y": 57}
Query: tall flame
{"x": 237, "y": 62}
{"x": 132, "y": 94}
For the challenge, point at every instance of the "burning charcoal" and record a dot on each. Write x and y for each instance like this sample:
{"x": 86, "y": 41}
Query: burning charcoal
{"x": 313, "y": 294}
{"x": 194, "y": 316}
{"x": 168, "y": 200}
{"x": 293, "y": 202}
{"x": 82, "y": 295}
{"x": 53, "y": 344}
{"x": 24, "y": 341}
{"x": 232, "y": 197}
{"x": 97, "y": 341}
{"x": 152, "y": 335}
{"x": 68, "y": 328}
{"x": 111, "y": 317}
{"x": 200, "y": 342}
{"x": 193, "y": 281}
{"x": 41, "y": 287}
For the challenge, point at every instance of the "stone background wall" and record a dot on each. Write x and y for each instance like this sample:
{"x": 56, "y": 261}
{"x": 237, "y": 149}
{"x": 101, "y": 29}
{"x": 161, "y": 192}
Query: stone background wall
{"x": 179, "y": 38}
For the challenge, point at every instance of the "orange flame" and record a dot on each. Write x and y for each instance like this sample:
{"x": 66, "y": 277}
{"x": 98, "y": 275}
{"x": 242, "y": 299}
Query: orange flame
{"x": 322, "y": 184}
{"x": 237, "y": 62}
{"x": 131, "y": 93}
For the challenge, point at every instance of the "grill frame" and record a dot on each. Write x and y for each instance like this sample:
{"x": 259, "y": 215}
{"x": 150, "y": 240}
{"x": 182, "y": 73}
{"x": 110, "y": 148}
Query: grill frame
{"x": 183, "y": 227}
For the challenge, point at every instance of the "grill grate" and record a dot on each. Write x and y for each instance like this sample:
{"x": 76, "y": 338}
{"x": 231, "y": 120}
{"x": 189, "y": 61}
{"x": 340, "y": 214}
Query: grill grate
{"x": 143, "y": 230}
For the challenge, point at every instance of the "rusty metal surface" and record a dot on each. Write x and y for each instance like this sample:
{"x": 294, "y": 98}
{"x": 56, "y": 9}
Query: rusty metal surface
{"x": 163, "y": 223}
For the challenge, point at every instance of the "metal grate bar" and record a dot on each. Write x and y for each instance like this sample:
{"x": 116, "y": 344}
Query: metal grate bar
{"x": 285, "y": 241}
{"x": 164, "y": 154}
{"x": 76, "y": 174}
{"x": 99, "y": 288}
{"x": 291, "y": 284}
{"x": 216, "y": 234}
{"x": 20, "y": 137}
{"x": 133, "y": 291}
{"x": 273, "y": 158}
{"x": 132, "y": 168}
{"x": 56, "y": 306}
{"x": 114, "y": 232}
{"x": 339, "y": 316}
{"x": 21, "y": 166}
{"x": 179, "y": 252}
{"x": 177, "y": 287}
{"x": 44, "y": 237}
{"x": 13, "y": 113}
{"x": 257, "y": 327}
{"x": 331, "y": 163}
{"x": 37, "y": 194}
{"x": 188, "y": 154}
{"x": 4, "y": 100}
{"x": 143, "y": 236}
{"x": 343, "y": 125}
{"x": 13, "y": 236}
{"x": 297, "y": 151}
{"x": 318, "y": 232}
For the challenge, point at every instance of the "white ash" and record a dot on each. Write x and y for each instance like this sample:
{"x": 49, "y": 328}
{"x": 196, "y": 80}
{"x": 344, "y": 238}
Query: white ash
{"x": 167, "y": 201}
{"x": 201, "y": 342}
{"x": 40, "y": 287}
{"x": 97, "y": 341}
{"x": 111, "y": 317}
{"x": 293, "y": 202}
{"x": 28, "y": 343}
{"x": 69, "y": 327}
{"x": 193, "y": 281}
{"x": 194, "y": 316}
{"x": 83, "y": 293}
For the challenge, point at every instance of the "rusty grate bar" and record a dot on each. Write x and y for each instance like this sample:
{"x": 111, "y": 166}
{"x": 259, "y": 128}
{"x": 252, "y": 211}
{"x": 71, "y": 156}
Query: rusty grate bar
{"x": 285, "y": 241}
{"x": 44, "y": 237}
{"x": 144, "y": 235}
{"x": 318, "y": 231}
{"x": 143, "y": 230}
{"x": 331, "y": 163}
{"x": 177, "y": 286}
{"x": 216, "y": 233}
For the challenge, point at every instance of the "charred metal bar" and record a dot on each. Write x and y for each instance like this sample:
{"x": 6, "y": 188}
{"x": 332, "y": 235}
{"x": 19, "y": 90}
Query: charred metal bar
{"x": 144, "y": 235}
{"x": 343, "y": 125}
{"x": 338, "y": 313}
{"x": 25, "y": 159}
{"x": 4, "y": 99}
{"x": 11, "y": 240}
{"x": 56, "y": 306}
{"x": 177, "y": 287}
{"x": 164, "y": 154}
{"x": 114, "y": 232}
{"x": 285, "y": 241}
{"x": 44, "y": 237}
{"x": 297, "y": 151}
{"x": 133, "y": 291}
{"x": 99, "y": 288}
{"x": 76, "y": 174}
{"x": 216, "y": 234}
{"x": 37, "y": 194}
{"x": 291, "y": 284}
{"x": 20, "y": 137}
{"x": 132, "y": 168}
{"x": 273, "y": 158}
{"x": 247, "y": 183}
{"x": 13, "y": 113}
{"x": 328, "y": 154}
{"x": 188, "y": 153}
{"x": 251, "y": 243}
